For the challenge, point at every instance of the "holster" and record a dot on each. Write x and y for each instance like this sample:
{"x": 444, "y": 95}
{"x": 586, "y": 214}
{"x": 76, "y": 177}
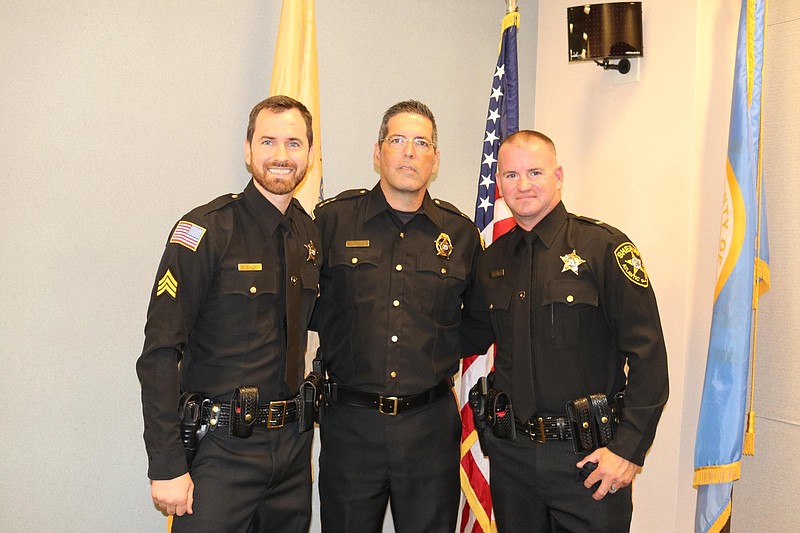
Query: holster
{"x": 500, "y": 414}
{"x": 190, "y": 410}
{"x": 244, "y": 412}
{"x": 592, "y": 421}
{"x": 477, "y": 401}
{"x": 312, "y": 396}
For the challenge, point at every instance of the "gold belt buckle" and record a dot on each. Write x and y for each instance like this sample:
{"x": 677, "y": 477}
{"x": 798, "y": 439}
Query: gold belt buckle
{"x": 393, "y": 411}
{"x": 275, "y": 407}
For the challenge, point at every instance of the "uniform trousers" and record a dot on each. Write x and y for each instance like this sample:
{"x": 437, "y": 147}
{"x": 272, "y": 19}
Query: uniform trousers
{"x": 535, "y": 487}
{"x": 410, "y": 460}
{"x": 258, "y": 484}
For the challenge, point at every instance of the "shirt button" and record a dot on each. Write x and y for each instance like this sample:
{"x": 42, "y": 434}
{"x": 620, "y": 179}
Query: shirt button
{"x": 293, "y": 279}
{"x": 491, "y": 306}
{"x": 402, "y": 235}
{"x": 396, "y": 303}
{"x": 398, "y": 267}
{"x": 570, "y": 298}
{"x": 521, "y": 295}
{"x": 253, "y": 290}
{"x": 443, "y": 271}
{"x": 394, "y": 338}
{"x": 354, "y": 260}
{"x": 393, "y": 374}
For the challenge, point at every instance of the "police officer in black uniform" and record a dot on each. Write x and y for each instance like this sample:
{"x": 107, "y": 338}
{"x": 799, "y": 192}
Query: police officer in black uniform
{"x": 228, "y": 321}
{"x": 397, "y": 310}
{"x": 571, "y": 304}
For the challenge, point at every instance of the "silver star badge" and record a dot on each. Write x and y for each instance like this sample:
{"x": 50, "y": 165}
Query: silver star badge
{"x": 571, "y": 262}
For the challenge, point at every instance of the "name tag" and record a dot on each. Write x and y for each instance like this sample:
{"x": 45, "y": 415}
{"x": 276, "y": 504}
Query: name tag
{"x": 497, "y": 273}
{"x": 356, "y": 244}
{"x": 249, "y": 267}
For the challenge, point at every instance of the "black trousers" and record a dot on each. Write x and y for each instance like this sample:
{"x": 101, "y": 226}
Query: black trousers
{"x": 535, "y": 488}
{"x": 258, "y": 484}
{"x": 410, "y": 460}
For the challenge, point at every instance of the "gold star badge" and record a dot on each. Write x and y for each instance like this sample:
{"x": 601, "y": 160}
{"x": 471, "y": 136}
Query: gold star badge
{"x": 443, "y": 245}
{"x": 312, "y": 252}
{"x": 571, "y": 262}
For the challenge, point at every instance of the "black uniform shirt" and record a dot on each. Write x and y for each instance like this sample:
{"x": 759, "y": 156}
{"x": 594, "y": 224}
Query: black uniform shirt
{"x": 222, "y": 306}
{"x": 577, "y": 331}
{"x": 396, "y": 312}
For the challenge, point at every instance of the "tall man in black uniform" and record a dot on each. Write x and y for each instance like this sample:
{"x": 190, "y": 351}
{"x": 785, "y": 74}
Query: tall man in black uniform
{"x": 397, "y": 310}
{"x": 571, "y": 304}
{"x": 233, "y": 296}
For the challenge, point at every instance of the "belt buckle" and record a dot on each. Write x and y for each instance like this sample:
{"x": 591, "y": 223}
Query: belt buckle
{"x": 274, "y": 407}
{"x": 393, "y": 411}
{"x": 537, "y": 423}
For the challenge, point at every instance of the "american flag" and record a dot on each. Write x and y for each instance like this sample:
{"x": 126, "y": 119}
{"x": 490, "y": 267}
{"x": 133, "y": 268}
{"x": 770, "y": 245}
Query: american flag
{"x": 188, "y": 235}
{"x": 493, "y": 219}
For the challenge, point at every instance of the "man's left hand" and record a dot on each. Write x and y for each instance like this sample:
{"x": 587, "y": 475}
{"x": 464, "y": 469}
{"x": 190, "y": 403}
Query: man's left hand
{"x": 613, "y": 472}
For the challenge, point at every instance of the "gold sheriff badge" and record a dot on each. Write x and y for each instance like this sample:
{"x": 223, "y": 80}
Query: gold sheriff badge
{"x": 443, "y": 245}
{"x": 312, "y": 252}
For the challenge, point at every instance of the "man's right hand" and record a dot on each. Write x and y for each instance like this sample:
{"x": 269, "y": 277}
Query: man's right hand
{"x": 175, "y": 496}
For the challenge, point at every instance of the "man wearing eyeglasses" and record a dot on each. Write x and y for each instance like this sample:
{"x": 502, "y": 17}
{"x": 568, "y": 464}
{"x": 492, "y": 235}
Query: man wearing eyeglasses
{"x": 397, "y": 310}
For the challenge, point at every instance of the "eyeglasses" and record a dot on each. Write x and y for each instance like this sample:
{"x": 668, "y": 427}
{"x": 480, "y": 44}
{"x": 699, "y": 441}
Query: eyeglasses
{"x": 398, "y": 142}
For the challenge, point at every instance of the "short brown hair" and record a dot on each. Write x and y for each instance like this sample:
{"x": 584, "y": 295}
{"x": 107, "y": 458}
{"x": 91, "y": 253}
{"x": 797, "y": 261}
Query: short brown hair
{"x": 280, "y": 104}
{"x": 527, "y": 136}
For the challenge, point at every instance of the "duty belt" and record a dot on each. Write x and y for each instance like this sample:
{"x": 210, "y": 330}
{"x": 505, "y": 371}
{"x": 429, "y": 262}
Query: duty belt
{"x": 388, "y": 405}
{"x": 270, "y": 416}
{"x": 543, "y": 428}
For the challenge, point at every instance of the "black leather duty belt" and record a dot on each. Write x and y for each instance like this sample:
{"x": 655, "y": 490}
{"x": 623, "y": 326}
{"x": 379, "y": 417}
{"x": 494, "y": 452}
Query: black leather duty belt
{"x": 543, "y": 428}
{"x": 273, "y": 415}
{"x": 389, "y": 405}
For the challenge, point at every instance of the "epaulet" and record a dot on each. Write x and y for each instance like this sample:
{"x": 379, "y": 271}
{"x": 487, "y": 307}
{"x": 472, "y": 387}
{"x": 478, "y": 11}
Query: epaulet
{"x": 217, "y": 203}
{"x": 595, "y": 222}
{"x": 450, "y": 208}
{"x": 344, "y": 195}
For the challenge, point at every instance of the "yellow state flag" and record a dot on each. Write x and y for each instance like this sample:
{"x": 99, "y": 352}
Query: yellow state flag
{"x": 295, "y": 74}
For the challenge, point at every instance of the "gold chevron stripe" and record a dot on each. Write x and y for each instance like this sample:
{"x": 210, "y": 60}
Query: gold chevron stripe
{"x": 168, "y": 284}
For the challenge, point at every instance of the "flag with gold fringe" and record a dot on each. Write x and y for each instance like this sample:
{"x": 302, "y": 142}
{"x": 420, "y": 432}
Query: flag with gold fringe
{"x": 493, "y": 219}
{"x": 295, "y": 73}
{"x": 742, "y": 276}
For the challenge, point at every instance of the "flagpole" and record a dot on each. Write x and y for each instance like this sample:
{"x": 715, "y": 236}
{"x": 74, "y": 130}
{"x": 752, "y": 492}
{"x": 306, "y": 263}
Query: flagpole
{"x": 511, "y": 6}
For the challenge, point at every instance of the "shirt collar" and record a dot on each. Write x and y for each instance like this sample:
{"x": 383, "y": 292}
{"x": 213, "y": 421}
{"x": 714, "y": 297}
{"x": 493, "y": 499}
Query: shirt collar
{"x": 377, "y": 204}
{"x": 263, "y": 210}
{"x": 546, "y": 230}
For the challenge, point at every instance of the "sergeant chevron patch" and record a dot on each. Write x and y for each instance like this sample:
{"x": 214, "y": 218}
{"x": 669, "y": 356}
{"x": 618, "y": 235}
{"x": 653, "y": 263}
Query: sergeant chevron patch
{"x": 167, "y": 284}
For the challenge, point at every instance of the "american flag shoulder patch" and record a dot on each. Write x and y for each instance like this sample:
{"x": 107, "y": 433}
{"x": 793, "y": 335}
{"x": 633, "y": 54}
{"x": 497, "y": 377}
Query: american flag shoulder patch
{"x": 188, "y": 234}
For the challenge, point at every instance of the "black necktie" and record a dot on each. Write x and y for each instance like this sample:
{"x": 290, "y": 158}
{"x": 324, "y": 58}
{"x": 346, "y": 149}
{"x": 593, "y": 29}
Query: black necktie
{"x": 294, "y": 349}
{"x": 522, "y": 375}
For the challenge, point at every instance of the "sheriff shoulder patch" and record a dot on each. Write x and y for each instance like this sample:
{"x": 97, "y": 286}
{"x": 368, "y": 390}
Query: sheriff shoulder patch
{"x": 630, "y": 262}
{"x": 167, "y": 284}
{"x": 188, "y": 234}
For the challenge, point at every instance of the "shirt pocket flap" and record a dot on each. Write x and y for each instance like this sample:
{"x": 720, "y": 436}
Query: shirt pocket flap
{"x": 441, "y": 267}
{"x": 353, "y": 257}
{"x": 249, "y": 284}
{"x": 570, "y": 292}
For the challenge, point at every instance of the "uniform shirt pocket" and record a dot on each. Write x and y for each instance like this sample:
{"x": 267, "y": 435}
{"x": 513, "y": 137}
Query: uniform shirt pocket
{"x": 355, "y": 274}
{"x": 438, "y": 286}
{"x": 572, "y": 312}
{"x": 246, "y": 294}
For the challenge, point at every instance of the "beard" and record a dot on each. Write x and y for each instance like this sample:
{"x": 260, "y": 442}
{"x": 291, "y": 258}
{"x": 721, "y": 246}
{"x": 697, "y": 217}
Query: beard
{"x": 277, "y": 184}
